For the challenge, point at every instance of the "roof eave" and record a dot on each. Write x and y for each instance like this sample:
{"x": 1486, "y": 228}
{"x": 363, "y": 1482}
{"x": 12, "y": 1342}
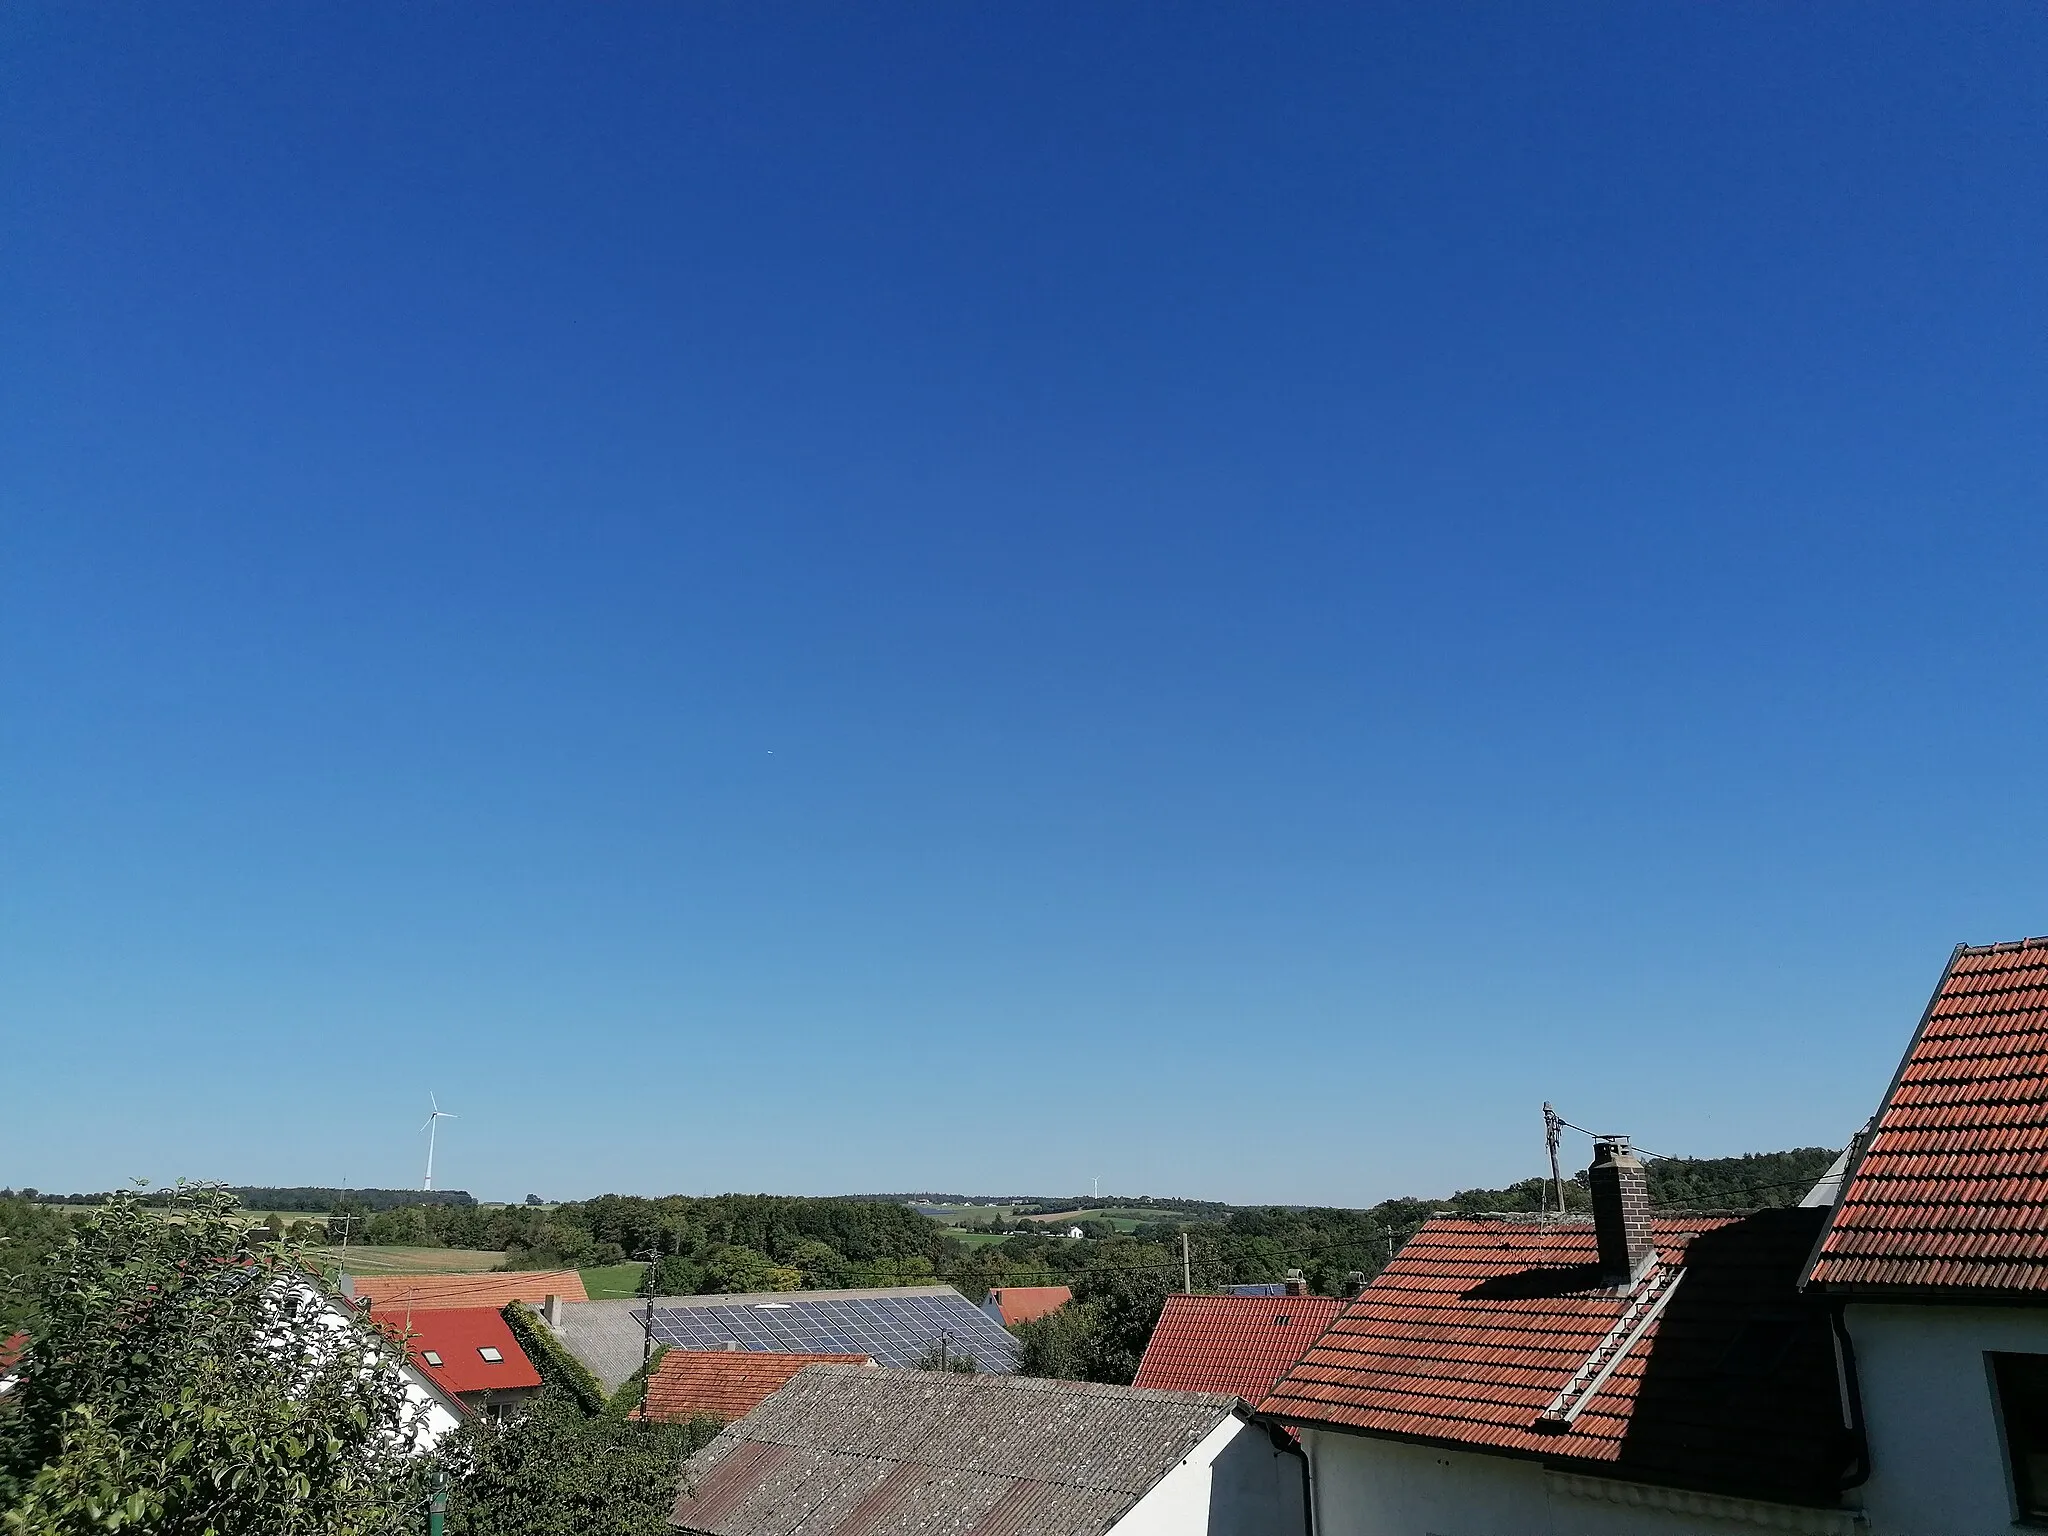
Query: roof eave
{"x": 1850, "y": 1293}
{"x": 1549, "y": 1461}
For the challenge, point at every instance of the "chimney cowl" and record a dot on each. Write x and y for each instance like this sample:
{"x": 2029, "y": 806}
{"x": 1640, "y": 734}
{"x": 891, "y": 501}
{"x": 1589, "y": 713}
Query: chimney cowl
{"x": 1621, "y": 1211}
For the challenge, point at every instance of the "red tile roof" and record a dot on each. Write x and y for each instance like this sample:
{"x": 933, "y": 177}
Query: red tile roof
{"x": 10, "y": 1351}
{"x": 1024, "y": 1303}
{"x": 486, "y": 1290}
{"x": 1476, "y": 1327}
{"x": 726, "y": 1385}
{"x": 1951, "y": 1192}
{"x": 1239, "y": 1344}
{"x": 457, "y": 1336}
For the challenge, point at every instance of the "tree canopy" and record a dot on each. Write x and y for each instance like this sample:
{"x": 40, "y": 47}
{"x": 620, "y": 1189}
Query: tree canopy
{"x": 186, "y": 1377}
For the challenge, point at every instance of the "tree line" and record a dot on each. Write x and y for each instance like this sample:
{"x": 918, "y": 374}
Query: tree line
{"x": 721, "y": 1243}
{"x": 258, "y": 1197}
{"x": 1120, "y": 1285}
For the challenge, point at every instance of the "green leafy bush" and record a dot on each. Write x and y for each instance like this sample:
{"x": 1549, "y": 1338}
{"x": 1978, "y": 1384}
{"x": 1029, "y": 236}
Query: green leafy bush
{"x": 186, "y": 1376}
{"x": 560, "y": 1471}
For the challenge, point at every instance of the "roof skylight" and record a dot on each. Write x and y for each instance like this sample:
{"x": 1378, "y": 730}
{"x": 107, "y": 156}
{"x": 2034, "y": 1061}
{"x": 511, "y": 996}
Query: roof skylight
{"x": 490, "y": 1354}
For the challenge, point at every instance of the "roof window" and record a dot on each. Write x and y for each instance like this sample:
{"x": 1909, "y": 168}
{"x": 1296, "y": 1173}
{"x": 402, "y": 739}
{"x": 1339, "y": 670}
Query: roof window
{"x": 490, "y": 1354}
{"x": 430, "y": 1357}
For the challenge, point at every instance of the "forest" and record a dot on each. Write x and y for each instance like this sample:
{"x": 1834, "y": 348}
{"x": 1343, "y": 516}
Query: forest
{"x": 737, "y": 1243}
{"x": 741, "y": 1243}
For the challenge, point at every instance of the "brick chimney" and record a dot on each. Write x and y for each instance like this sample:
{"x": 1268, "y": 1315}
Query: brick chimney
{"x": 1621, "y": 1211}
{"x": 1296, "y": 1284}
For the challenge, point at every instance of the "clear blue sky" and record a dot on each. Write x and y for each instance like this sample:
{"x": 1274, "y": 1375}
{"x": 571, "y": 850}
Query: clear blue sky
{"x": 835, "y": 598}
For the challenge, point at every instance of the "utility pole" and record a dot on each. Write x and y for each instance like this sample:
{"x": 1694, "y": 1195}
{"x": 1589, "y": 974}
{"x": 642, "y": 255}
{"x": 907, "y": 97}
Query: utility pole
{"x": 1553, "y": 1127}
{"x": 652, "y": 1257}
{"x": 1187, "y": 1273}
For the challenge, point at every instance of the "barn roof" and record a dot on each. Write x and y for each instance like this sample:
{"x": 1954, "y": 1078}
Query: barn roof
{"x": 848, "y": 1450}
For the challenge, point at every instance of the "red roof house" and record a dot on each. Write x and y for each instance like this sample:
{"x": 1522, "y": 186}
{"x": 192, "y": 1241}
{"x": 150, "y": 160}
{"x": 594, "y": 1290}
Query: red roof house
{"x": 11, "y": 1349}
{"x": 1935, "y": 1257}
{"x": 723, "y": 1384}
{"x": 1950, "y": 1195}
{"x": 468, "y": 1352}
{"x": 1235, "y": 1344}
{"x": 1645, "y": 1361}
{"x": 1014, "y": 1304}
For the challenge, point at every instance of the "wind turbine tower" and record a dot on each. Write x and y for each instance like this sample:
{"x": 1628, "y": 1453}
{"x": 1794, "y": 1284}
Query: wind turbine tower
{"x": 433, "y": 1124}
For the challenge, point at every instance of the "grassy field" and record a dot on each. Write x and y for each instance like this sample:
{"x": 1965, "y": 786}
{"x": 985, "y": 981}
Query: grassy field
{"x": 366, "y": 1259}
{"x": 1125, "y": 1218}
{"x": 614, "y": 1282}
{"x": 977, "y": 1239}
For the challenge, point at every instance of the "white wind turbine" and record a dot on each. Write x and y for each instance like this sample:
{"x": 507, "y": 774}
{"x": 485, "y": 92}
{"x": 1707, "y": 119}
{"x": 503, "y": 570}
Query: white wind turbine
{"x": 433, "y": 1124}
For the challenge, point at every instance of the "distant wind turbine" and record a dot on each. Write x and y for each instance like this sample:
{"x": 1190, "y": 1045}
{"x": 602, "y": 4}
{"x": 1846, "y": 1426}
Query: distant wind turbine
{"x": 433, "y": 1124}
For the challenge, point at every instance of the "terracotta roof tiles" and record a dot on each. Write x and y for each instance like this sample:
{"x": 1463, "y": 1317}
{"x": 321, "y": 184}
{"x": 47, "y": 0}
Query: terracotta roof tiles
{"x": 1478, "y": 1324}
{"x": 1014, "y": 1304}
{"x": 1235, "y": 1344}
{"x": 728, "y": 1385}
{"x": 420, "y": 1292}
{"x": 1951, "y": 1191}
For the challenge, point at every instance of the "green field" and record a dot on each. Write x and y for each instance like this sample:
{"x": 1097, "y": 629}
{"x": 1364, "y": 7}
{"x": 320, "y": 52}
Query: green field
{"x": 613, "y": 1282}
{"x": 367, "y": 1259}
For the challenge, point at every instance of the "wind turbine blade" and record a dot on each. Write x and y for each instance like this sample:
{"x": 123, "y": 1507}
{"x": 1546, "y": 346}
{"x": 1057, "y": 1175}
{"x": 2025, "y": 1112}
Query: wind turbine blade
{"x": 430, "y": 1121}
{"x": 434, "y": 1101}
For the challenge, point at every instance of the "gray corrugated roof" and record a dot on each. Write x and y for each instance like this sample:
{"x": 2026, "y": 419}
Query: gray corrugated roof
{"x": 861, "y": 1451}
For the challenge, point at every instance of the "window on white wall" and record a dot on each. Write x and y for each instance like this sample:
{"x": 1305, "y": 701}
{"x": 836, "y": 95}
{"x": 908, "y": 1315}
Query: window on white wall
{"x": 2023, "y": 1408}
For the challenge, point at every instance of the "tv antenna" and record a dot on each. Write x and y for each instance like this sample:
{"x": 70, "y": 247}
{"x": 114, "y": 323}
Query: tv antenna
{"x": 1553, "y": 1127}
{"x": 432, "y": 1126}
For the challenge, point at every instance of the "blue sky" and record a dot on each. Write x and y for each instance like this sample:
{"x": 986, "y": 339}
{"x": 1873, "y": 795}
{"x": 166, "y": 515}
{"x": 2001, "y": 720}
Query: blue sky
{"x": 815, "y": 599}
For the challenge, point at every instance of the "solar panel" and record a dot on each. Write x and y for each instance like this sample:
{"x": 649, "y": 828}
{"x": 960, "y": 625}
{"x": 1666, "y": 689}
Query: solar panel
{"x": 895, "y": 1330}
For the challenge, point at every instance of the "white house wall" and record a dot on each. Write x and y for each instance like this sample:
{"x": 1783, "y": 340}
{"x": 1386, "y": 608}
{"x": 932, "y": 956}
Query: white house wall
{"x": 1371, "y": 1487}
{"x": 1234, "y": 1483}
{"x": 1937, "y": 1460}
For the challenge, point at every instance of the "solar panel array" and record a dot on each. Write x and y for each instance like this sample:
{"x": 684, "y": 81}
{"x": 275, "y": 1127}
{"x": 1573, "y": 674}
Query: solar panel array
{"x": 895, "y": 1330}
